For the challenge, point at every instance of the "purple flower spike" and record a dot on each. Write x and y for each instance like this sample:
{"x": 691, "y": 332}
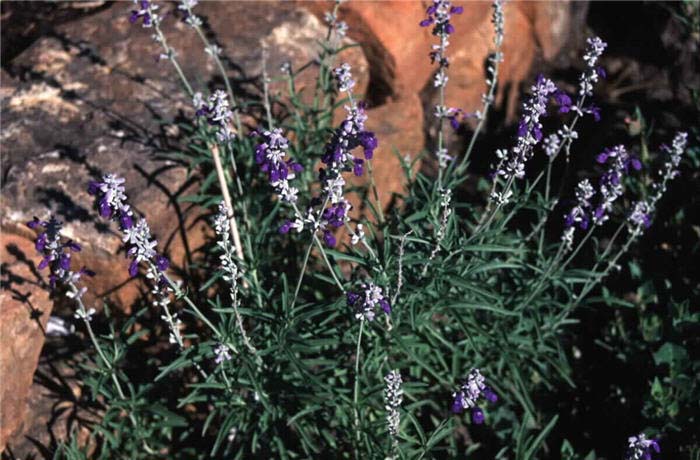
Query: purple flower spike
{"x": 477, "y": 416}
{"x": 639, "y": 447}
{"x": 472, "y": 390}
{"x": 56, "y": 253}
{"x": 439, "y": 14}
{"x": 270, "y": 154}
{"x": 365, "y": 302}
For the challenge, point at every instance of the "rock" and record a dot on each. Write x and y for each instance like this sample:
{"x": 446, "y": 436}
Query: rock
{"x": 24, "y": 310}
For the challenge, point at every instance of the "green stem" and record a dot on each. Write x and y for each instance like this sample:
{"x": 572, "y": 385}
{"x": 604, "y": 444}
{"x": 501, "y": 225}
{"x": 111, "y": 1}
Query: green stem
{"x": 356, "y": 391}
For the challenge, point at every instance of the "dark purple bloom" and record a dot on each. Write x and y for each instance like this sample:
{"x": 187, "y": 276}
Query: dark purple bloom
{"x": 329, "y": 239}
{"x": 284, "y": 229}
{"x": 73, "y": 246}
{"x": 358, "y": 169}
{"x": 386, "y": 307}
{"x": 142, "y": 13}
{"x": 640, "y": 448}
{"x": 458, "y": 403}
{"x": 40, "y": 242}
{"x": 55, "y": 251}
{"x": 635, "y": 163}
{"x": 603, "y": 156}
{"x": 439, "y": 14}
{"x": 472, "y": 390}
{"x": 352, "y": 298}
{"x": 477, "y": 416}
{"x": 601, "y": 72}
{"x": 64, "y": 261}
{"x": 133, "y": 268}
{"x": 369, "y": 143}
{"x": 490, "y": 395}
{"x": 34, "y": 223}
{"x": 126, "y": 222}
{"x": 162, "y": 263}
{"x": 563, "y": 101}
{"x": 44, "y": 263}
{"x": 594, "y": 111}
{"x": 93, "y": 187}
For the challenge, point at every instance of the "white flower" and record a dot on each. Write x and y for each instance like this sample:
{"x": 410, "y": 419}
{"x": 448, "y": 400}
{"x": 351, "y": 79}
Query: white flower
{"x": 222, "y": 353}
{"x": 358, "y": 236}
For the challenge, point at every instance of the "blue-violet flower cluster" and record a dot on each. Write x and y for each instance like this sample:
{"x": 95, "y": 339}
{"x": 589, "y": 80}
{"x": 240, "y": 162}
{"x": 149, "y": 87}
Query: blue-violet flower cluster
{"x": 472, "y": 390}
{"x": 270, "y": 155}
{"x": 366, "y": 301}
{"x": 640, "y": 448}
{"x": 56, "y": 255}
{"x": 217, "y": 112}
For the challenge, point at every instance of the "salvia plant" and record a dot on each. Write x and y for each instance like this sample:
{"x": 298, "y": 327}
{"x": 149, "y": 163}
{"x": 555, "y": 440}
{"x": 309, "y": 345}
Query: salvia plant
{"x": 321, "y": 331}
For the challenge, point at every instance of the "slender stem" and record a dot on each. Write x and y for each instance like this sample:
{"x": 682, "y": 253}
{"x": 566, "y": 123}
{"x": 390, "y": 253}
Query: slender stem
{"x": 488, "y": 100}
{"x": 373, "y": 186}
{"x": 171, "y": 57}
{"x": 301, "y": 275}
{"x": 227, "y": 200}
{"x": 356, "y": 391}
{"x": 220, "y": 66}
{"x": 181, "y": 295}
{"x": 328, "y": 263}
{"x": 266, "y": 89}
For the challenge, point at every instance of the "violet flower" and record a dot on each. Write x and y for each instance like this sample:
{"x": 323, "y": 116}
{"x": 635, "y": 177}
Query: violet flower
{"x": 270, "y": 154}
{"x": 640, "y": 217}
{"x": 145, "y": 12}
{"x": 470, "y": 393}
{"x": 55, "y": 252}
{"x": 641, "y": 448}
{"x": 140, "y": 244}
{"x": 338, "y": 158}
{"x": 217, "y": 112}
{"x": 610, "y": 185}
{"x": 512, "y": 163}
{"x": 439, "y": 14}
{"x": 367, "y": 300}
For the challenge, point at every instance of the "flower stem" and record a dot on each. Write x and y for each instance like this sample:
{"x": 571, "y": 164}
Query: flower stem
{"x": 356, "y": 391}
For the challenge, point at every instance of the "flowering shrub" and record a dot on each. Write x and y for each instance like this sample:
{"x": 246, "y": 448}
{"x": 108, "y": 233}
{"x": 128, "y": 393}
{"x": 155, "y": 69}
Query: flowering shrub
{"x": 358, "y": 336}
